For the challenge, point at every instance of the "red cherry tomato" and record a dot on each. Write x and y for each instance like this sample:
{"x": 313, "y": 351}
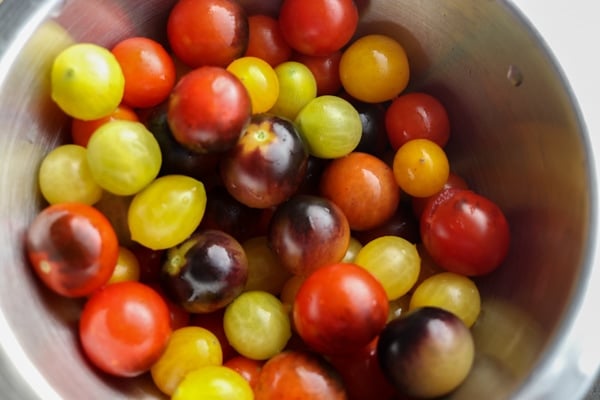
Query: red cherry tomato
{"x": 124, "y": 328}
{"x": 318, "y": 28}
{"x": 464, "y": 232}
{"x": 207, "y": 32}
{"x": 417, "y": 116}
{"x": 82, "y": 130}
{"x": 148, "y": 69}
{"x": 266, "y": 40}
{"x": 298, "y": 375}
{"x": 208, "y": 109}
{"x": 246, "y": 367}
{"x": 340, "y": 308}
{"x": 362, "y": 375}
{"x": 454, "y": 181}
{"x": 325, "y": 70}
{"x": 73, "y": 248}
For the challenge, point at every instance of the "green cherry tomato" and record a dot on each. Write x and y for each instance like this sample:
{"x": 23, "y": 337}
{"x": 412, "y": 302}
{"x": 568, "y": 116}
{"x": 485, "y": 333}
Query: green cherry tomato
{"x": 297, "y": 86}
{"x": 330, "y": 126}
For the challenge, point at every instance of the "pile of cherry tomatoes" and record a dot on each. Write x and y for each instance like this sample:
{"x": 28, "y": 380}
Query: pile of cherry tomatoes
{"x": 259, "y": 209}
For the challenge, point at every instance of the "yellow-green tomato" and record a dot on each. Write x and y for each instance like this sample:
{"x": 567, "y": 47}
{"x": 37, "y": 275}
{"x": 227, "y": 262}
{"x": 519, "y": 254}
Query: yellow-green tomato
{"x": 188, "y": 349}
{"x": 394, "y": 261}
{"x": 127, "y": 268}
{"x": 354, "y": 247}
{"x": 123, "y": 157}
{"x": 452, "y": 292}
{"x": 297, "y": 86}
{"x": 259, "y": 79}
{"x": 65, "y": 176}
{"x": 257, "y": 325}
{"x": 87, "y": 81}
{"x": 330, "y": 126}
{"x": 167, "y": 211}
{"x": 213, "y": 382}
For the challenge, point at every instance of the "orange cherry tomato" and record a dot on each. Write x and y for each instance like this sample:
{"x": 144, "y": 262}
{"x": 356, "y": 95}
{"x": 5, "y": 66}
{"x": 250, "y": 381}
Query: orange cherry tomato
{"x": 148, "y": 69}
{"x": 363, "y": 186}
{"x": 82, "y": 130}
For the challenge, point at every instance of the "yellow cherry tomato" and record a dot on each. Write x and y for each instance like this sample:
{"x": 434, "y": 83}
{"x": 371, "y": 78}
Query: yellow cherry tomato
{"x": 127, "y": 268}
{"x": 297, "y": 86}
{"x": 259, "y": 79}
{"x": 374, "y": 69}
{"x": 188, "y": 349}
{"x": 87, "y": 81}
{"x": 213, "y": 382}
{"x": 421, "y": 167}
{"x": 452, "y": 292}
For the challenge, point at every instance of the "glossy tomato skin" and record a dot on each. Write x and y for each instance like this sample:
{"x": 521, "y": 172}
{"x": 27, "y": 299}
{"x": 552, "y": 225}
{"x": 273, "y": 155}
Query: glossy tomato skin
{"x": 320, "y": 27}
{"x": 73, "y": 248}
{"x": 208, "y": 32}
{"x": 124, "y": 328}
{"x": 340, "y": 308}
{"x": 417, "y": 115}
{"x": 208, "y": 109}
{"x": 465, "y": 232}
{"x": 297, "y": 374}
{"x": 267, "y": 164}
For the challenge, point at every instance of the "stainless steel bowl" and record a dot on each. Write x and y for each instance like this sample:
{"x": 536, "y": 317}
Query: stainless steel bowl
{"x": 517, "y": 136}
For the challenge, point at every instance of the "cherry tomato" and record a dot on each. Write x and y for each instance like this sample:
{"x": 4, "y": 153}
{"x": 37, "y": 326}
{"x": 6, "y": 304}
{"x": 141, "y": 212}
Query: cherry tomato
{"x": 127, "y": 268}
{"x": 188, "y": 349}
{"x": 82, "y": 130}
{"x": 73, "y": 248}
{"x": 124, "y": 328}
{"x": 453, "y": 181}
{"x": 213, "y": 321}
{"x": 421, "y": 167}
{"x": 465, "y": 232}
{"x": 364, "y": 188}
{"x": 208, "y": 32}
{"x": 266, "y": 41}
{"x": 248, "y": 368}
{"x": 259, "y": 79}
{"x": 148, "y": 69}
{"x": 325, "y": 70}
{"x": 321, "y": 28}
{"x": 297, "y": 87}
{"x": 362, "y": 375}
{"x": 208, "y": 109}
{"x": 416, "y": 116}
{"x": 340, "y": 308}
{"x": 298, "y": 375}
{"x": 213, "y": 382}
{"x": 374, "y": 69}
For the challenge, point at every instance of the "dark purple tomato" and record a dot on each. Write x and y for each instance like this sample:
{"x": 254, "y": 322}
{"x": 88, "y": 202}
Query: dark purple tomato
{"x": 403, "y": 223}
{"x": 312, "y": 178}
{"x": 426, "y": 353}
{"x": 372, "y": 116}
{"x": 308, "y": 232}
{"x": 267, "y": 164}
{"x": 177, "y": 159}
{"x": 226, "y": 214}
{"x": 205, "y": 272}
{"x": 208, "y": 110}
